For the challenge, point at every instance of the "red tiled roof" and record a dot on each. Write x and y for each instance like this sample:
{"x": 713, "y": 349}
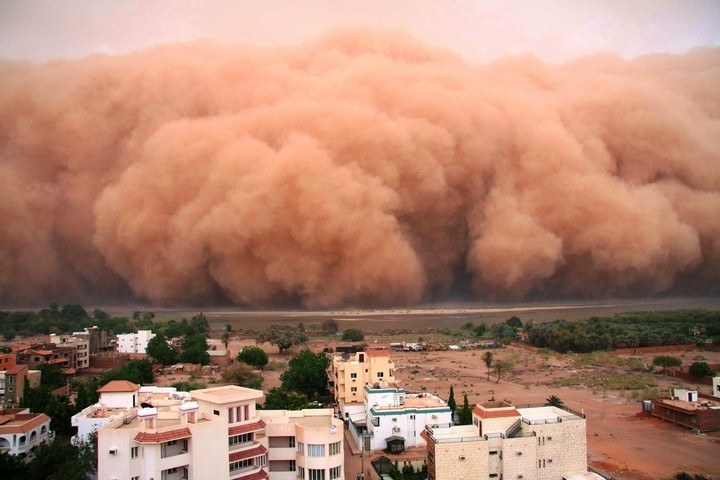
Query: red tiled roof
{"x": 495, "y": 413}
{"x": 23, "y": 423}
{"x": 254, "y": 476}
{"x": 118, "y": 386}
{"x": 250, "y": 427}
{"x": 249, "y": 453}
{"x": 161, "y": 437}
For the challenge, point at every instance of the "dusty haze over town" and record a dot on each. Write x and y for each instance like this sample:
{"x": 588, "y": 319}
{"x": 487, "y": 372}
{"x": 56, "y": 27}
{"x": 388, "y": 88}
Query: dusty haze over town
{"x": 364, "y": 153}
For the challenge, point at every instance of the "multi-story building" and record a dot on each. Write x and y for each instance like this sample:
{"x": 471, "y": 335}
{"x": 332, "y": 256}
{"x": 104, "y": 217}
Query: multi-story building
{"x": 21, "y": 432}
{"x": 534, "y": 443}
{"x": 13, "y": 384}
{"x": 688, "y": 408}
{"x": 134, "y": 342}
{"x": 65, "y": 356}
{"x": 350, "y": 374}
{"x": 81, "y": 344}
{"x": 393, "y": 419}
{"x": 211, "y": 433}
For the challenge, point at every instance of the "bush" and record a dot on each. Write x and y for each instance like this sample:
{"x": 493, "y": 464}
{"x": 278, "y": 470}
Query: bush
{"x": 329, "y": 326}
{"x": 254, "y": 356}
{"x": 353, "y": 335}
{"x": 701, "y": 369}
{"x": 667, "y": 361}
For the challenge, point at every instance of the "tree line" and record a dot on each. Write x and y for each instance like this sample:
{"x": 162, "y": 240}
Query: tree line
{"x": 644, "y": 329}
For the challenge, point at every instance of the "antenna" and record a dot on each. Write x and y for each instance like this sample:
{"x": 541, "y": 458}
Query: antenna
{"x": 346, "y": 356}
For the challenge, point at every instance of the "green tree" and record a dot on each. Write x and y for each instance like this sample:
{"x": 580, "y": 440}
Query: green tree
{"x": 280, "y": 399}
{"x": 73, "y": 311}
{"x": 254, "y": 356}
{"x": 487, "y": 358}
{"x": 12, "y": 466}
{"x": 353, "y": 335}
{"x": 100, "y": 315}
{"x": 241, "y": 374}
{"x": 701, "y": 369}
{"x": 51, "y": 375}
{"x": 465, "y": 414}
{"x": 514, "y": 322}
{"x": 283, "y": 336}
{"x": 226, "y": 339}
{"x": 480, "y": 329}
{"x": 59, "y": 460}
{"x": 503, "y": 332}
{"x": 451, "y": 400}
{"x": 200, "y": 323}
{"x": 194, "y": 349}
{"x": 163, "y": 353}
{"x": 554, "y": 401}
{"x": 501, "y": 367}
{"x": 330, "y": 326}
{"x": 137, "y": 371}
{"x": 188, "y": 386}
{"x": 306, "y": 373}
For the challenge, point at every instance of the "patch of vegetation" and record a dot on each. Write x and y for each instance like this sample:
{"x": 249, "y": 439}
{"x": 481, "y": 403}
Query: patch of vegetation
{"x": 606, "y": 381}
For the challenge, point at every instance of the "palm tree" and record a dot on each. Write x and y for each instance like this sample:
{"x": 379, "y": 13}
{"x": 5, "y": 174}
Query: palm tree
{"x": 554, "y": 401}
{"x": 488, "y": 359}
{"x": 226, "y": 339}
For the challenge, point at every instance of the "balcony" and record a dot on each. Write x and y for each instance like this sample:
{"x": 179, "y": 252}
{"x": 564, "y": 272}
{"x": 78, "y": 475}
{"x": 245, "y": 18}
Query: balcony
{"x": 175, "y": 473}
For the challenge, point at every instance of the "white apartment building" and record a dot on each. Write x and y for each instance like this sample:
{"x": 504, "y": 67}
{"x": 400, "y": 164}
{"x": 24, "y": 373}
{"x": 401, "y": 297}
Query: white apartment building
{"x": 534, "y": 443}
{"x": 394, "y": 419}
{"x": 21, "y": 432}
{"x": 215, "y": 433}
{"x": 350, "y": 374}
{"x": 134, "y": 342}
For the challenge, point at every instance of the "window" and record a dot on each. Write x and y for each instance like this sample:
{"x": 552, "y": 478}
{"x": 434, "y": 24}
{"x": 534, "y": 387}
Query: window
{"x": 171, "y": 470}
{"x": 241, "y": 464}
{"x": 230, "y": 415}
{"x": 291, "y": 465}
{"x": 137, "y": 477}
{"x": 134, "y": 452}
{"x": 216, "y": 412}
{"x": 334, "y": 450}
{"x": 301, "y": 448}
{"x": 353, "y": 375}
{"x": 291, "y": 442}
{"x": 184, "y": 445}
{"x": 316, "y": 450}
{"x": 238, "y": 439}
{"x": 335, "y": 472}
{"x": 412, "y": 417}
{"x": 171, "y": 443}
{"x": 493, "y": 452}
{"x": 353, "y": 389}
{"x": 314, "y": 474}
{"x": 246, "y": 410}
{"x": 381, "y": 374}
{"x": 301, "y": 472}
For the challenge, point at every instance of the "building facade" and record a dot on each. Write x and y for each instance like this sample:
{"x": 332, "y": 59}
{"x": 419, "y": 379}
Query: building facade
{"x": 82, "y": 347}
{"x": 534, "y": 443}
{"x": 134, "y": 342}
{"x": 179, "y": 435}
{"x": 351, "y": 373}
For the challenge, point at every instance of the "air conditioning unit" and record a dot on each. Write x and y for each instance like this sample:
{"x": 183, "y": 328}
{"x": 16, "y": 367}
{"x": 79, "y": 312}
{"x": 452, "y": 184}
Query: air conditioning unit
{"x": 112, "y": 451}
{"x": 462, "y": 457}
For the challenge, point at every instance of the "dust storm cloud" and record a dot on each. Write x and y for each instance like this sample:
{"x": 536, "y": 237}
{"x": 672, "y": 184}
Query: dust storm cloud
{"x": 363, "y": 168}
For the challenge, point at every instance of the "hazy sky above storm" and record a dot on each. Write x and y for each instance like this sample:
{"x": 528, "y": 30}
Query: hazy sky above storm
{"x": 478, "y": 30}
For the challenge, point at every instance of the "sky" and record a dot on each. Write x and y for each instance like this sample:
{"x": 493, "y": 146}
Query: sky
{"x": 479, "y": 30}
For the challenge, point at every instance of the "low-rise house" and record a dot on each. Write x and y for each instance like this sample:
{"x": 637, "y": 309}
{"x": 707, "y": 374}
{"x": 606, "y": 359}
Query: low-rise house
{"x": 689, "y": 409}
{"x": 21, "y": 432}
{"x": 394, "y": 420}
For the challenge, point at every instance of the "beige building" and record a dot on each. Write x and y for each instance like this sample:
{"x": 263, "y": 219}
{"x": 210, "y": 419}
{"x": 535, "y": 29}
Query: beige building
{"x": 534, "y": 443}
{"x": 213, "y": 433}
{"x": 351, "y": 373}
{"x": 82, "y": 357}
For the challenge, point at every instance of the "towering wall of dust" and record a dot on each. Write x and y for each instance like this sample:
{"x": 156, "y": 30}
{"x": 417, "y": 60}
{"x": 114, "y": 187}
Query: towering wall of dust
{"x": 362, "y": 168}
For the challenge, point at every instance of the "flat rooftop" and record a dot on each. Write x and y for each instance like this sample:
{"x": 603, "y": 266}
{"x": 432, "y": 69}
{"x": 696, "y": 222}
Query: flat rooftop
{"x": 456, "y": 434}
{"x": 226, "y": 394}
{"x": 540, "y": 414}
{"x": 423, "y": 400}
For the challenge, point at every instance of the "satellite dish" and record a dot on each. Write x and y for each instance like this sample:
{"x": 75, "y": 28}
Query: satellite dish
{"x": 377, "y": 385}
{"x": 346, "y": 356}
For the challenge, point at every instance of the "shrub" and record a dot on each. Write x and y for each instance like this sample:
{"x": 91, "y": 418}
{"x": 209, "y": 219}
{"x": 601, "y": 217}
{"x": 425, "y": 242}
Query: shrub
{"x": 353, "y": 335}
{"x": 254, "y": 356}
{"x": 667, "y": 361}
{"x": 701, "y": 369}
